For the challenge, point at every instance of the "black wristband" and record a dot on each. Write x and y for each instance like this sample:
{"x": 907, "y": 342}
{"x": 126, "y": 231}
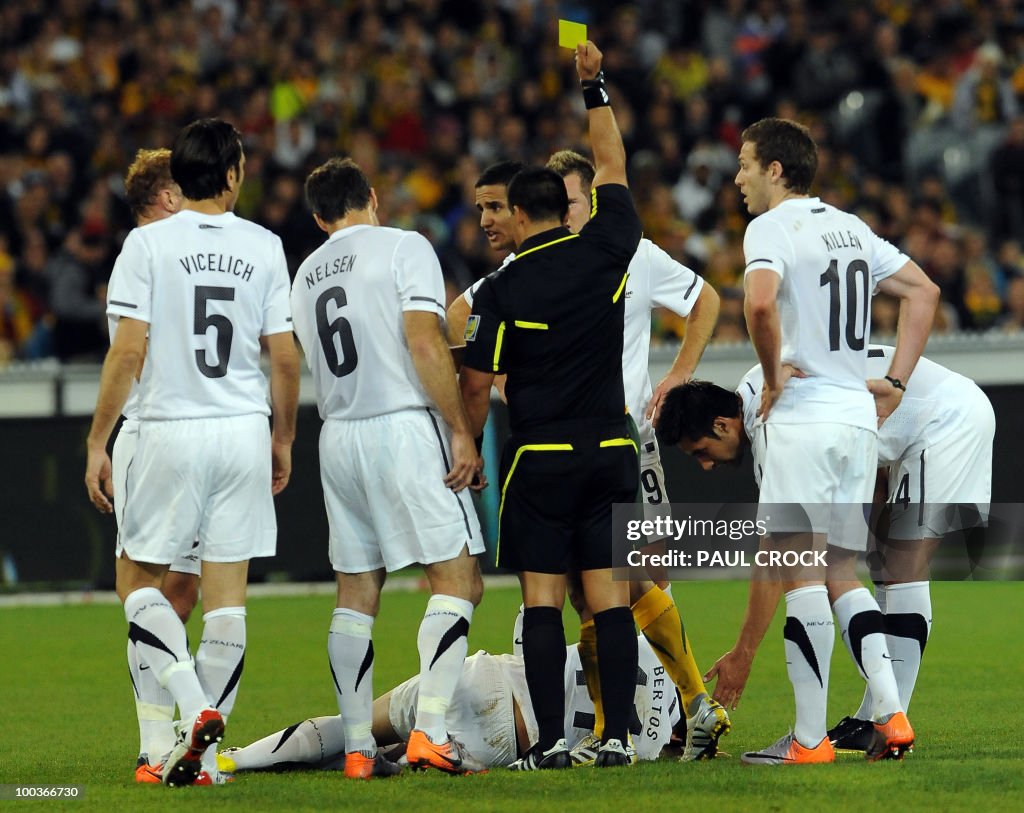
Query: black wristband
{"x": 479, "y": 441}
{"x": 594, "y": 92}
{"x": 895, "y": 382}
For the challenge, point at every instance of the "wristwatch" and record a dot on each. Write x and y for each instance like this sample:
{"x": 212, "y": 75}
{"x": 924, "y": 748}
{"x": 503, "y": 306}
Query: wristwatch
{"x": 895, "y": 382}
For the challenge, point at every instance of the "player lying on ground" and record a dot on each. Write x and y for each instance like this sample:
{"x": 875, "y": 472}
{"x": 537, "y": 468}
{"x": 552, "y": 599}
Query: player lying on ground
{"x": 948, "y": 423}
{"x": 490, "y": 713}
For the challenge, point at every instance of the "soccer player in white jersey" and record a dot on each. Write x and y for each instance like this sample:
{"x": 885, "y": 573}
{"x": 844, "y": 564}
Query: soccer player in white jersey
{"x": 151, "y": 195}
{"x": 655, "y": 280}
{"x": 810, "y": 272}
{"x": 936, "y": 450}
{"x": 396, "y": 456}
{"x": 491, "y": 712}
{"x": 935, "y": 454}
{"x": 209, "y": 289}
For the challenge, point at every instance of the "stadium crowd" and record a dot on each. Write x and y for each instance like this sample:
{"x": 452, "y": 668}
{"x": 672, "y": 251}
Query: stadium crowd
{"x": 917, "y": 108}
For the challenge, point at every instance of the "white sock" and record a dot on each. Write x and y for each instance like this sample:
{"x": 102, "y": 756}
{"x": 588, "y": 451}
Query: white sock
{"x": 862, "y": 627}
{"x": 517, "y": 633}
{"x": 809, "y": 637}
{"x": 667, "y": 590}
{"x": 154, "y": 708}
{"x": 161, "y": 644}
{"x": 350, "y": 649}
{"x": 443, "y": 643}
{"x": 908, "y": 624}
{"x": 868, "y": 702}
{"x": 310, "y": 742}
{"x": 221, "y": 656}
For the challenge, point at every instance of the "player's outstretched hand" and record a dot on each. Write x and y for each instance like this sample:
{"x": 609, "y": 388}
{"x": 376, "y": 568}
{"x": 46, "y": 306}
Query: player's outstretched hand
{"x": 669, "y": 382}
{"x": 588, "y": 60}
{"x": 887, "y": 397}
{"x": 281, "y": 470}
{"x": 98, "y": 481}
{"x": 466, "y": 463}
{"x": 732, "y": 671}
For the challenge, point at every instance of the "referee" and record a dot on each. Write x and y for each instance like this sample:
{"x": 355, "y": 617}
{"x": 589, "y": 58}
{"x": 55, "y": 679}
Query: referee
{"x": 552, "y": 320}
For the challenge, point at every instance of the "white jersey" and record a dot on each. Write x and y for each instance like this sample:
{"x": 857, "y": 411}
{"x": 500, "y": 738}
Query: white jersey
{"x": 209, "y": 286}
{"x": 348, "y": 301}
{"x": 130, "y": 410}
{"x": 655, "y": 281}
{"x": 655, "y": 705}
{"x": 830, "y": 263}
{"x": 936, "y": 404}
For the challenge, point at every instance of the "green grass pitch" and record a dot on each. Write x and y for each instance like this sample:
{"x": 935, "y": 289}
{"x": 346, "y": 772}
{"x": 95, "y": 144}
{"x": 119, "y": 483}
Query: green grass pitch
{"x": 67, "y": 716}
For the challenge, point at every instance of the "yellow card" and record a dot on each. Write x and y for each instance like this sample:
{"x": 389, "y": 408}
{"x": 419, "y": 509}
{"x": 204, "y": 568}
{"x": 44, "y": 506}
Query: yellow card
{"x": 571, "y": 34}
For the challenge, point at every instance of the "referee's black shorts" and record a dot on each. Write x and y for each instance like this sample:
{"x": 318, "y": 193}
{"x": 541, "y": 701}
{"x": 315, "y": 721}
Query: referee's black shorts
{"x": 558, "y": 488}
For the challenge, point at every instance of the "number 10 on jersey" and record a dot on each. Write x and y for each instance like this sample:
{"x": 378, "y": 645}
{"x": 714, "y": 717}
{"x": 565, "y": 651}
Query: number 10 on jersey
{"x": 857, "y": 305}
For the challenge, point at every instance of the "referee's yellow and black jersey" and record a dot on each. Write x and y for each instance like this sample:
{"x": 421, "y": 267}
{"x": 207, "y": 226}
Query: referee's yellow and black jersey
{"x": 552, "y": 319}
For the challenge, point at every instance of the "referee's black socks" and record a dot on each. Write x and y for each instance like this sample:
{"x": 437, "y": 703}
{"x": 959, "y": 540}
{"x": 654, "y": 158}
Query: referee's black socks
{"x": 616, "y": 664}
{"x": 544, "y": 664}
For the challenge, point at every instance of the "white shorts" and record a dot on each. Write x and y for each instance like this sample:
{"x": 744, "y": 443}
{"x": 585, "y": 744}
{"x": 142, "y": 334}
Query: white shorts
{"x": 480, "y": 716}
{"x": 387, "y": 504}
{"x": 817, "y": 477}
{"x": 188, "y": 560}
{"x": 928, "y": 483}
{"x": 205, "y": 477}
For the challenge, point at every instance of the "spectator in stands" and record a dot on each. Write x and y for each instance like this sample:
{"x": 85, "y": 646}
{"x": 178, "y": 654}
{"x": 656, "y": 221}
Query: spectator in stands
{"x": 984, "y": 94}
{"x": 424, "y": 100}
{"x": 78, "y": 291}
{"x": 1008, "y": 180}
{"x": 1013, "y": 320}
{"x": 15, "y": 313}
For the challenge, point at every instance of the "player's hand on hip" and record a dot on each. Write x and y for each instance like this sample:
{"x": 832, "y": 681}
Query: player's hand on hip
{"x": 789, "y": 371}
{"x": 466, "y": 462}
{"x": 588, "y": 60}
{"x": 281, "y": 466}
{"x": 769, "y": 397}
{"x": 887, "y": 397}
{"x": 98, "y": 480}
{"x": 669, "y": 382}
{"x": 732, "y": 671}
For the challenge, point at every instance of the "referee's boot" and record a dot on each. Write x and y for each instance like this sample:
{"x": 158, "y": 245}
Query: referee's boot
{"x": 555, "y": 758}
{"x": 614, "y": 753}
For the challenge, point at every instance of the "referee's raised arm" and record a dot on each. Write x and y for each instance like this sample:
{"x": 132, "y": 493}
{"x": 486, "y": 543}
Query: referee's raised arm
{"x": 605, "y": 138}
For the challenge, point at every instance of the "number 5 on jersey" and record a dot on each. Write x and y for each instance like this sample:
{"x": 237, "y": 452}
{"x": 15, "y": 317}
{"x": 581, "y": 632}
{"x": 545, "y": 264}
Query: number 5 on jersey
{"x": 203, "y": 321}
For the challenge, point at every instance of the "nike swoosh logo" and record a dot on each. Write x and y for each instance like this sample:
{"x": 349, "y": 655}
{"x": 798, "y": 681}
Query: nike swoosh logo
{"x": 143, "y": 668}
{"x": 517, "y": 642}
